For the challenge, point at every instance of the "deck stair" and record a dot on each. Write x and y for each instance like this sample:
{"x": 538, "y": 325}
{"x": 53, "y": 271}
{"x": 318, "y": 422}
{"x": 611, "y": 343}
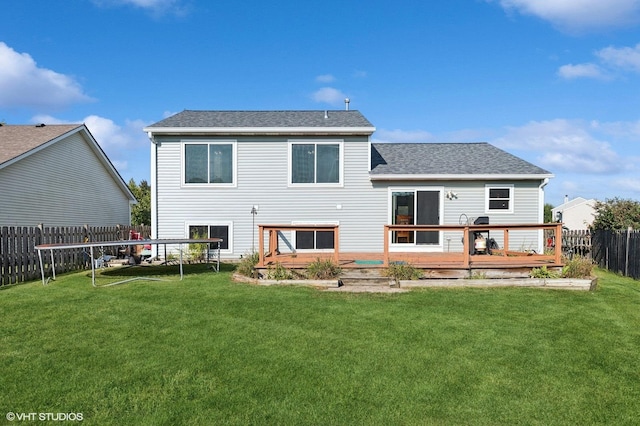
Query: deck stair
{"x": 364, "y": 277}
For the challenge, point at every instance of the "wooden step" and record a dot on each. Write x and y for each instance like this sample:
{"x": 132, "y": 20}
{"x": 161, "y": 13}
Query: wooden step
{"x": 364, "y": 277}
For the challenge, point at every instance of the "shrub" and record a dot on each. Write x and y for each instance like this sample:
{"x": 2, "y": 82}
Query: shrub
{"x": 578, "y": 267}
{"x": 247, "y": 265}
{"x": 197, "y": 251}
{"x": 323, "y": 270}
{"x": 478, "y": 276}
{"x": 402, "y": 271}
{"x": 543, "y": 272}
{"x": 278, "y": 272}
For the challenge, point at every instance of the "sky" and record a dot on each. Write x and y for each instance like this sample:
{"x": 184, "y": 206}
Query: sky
{"x": 555, "y": 82}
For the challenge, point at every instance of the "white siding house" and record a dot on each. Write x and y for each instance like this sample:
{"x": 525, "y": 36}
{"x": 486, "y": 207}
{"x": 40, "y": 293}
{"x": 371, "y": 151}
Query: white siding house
{"x": 576, "y": 214}
{"x": 58, "y": 175}
{"x": 221, "y": 173}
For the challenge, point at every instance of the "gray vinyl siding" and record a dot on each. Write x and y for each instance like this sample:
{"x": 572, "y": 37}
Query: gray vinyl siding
{"x": 470, "y": 204}
{"x": 262, "y": 180}
{"x": 64, "y": 184}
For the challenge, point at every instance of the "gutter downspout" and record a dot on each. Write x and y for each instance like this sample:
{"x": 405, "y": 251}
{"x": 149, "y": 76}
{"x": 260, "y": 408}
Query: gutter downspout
{"x": 154, "y": 192}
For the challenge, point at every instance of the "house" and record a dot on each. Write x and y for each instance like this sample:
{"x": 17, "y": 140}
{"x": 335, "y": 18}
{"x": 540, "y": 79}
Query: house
{"x": 58, "y": 175}
{"x": 221, "y": 173}
{"x": 577, "y": 214}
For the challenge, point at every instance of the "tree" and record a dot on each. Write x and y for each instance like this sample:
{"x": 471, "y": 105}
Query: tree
{"x": 141, "y": 212}
{"x": 548, "y": 216}
{"x": 616, "y": 213}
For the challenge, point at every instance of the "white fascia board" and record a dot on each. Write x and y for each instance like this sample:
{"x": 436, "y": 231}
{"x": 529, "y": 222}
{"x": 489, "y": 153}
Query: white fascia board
{"x": 460, "y": 177}
{"x": 260, "y": 130}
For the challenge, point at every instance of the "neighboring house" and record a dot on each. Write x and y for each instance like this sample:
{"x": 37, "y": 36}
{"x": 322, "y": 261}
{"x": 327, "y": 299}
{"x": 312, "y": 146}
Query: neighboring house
{"x": 576, "y": 214}
{"x": 221, "y": 173}
{"x": 57, "y": 175}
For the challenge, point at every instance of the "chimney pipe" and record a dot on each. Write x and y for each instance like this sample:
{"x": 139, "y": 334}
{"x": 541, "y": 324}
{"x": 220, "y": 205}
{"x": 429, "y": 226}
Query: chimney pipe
{"x": 346, "y": 104}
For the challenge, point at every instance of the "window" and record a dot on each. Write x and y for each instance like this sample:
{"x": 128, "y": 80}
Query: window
{"x": 209, "y": 163}
{"x": 314, "y": 240}
{"x": 499, "y": 199}
{"x": 315, "y": 163}
{"x": 211, "y": 231}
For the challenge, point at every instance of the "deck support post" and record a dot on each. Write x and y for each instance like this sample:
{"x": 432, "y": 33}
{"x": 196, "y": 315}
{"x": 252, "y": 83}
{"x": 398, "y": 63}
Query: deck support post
{"x": 261, "y": 246}
{"x": 558, "y": 247}
{"x": 386, "y": 247}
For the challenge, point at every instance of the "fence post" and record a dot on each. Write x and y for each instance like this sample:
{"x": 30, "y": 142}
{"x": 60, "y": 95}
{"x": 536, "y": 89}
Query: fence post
{"x": 626, "y": 254}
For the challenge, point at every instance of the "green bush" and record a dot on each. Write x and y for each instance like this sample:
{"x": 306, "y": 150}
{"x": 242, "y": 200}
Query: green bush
{"x": 578, "y": 267}
{"x": 323, "y": 270}
{"x": 198, "y": 251}
{"x": 478, "y": 276}
{"x": 543, "y": 272}
{"x": 278, "y": 272}
{"x": 402, "y": 271}
{"x": 247, "y": 265}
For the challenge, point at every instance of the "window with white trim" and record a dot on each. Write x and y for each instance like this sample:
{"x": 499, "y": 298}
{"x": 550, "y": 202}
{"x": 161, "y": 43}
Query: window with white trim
{"x": 211, "y": 231}
{"x": 499, "y": 199}
{"x": 315, "y": 163}
{"x": 209, "y": 163}
{"x": 314, "y": 240}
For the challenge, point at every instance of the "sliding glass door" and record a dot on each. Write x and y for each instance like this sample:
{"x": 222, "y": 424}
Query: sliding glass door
{"x": 416, "y": 207}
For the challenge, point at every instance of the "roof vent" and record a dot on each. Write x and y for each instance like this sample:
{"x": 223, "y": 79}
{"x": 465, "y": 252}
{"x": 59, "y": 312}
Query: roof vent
{"x": 40, "y": 125}
{"x": 346, "y": 103}
{"x": 326, "y": 114}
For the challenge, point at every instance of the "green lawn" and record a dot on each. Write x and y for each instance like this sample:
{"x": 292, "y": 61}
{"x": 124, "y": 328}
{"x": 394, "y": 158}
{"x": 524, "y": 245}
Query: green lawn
{"x": 208, "y": 351}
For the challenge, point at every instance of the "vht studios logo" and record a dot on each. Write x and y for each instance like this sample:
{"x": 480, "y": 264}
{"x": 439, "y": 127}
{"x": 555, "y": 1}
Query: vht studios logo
{"x": 51, "y": 417}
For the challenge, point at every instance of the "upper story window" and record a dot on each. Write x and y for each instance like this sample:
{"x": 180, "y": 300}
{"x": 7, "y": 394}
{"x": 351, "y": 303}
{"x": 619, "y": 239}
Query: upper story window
{"x": 315, "y": 163}
{"x": 499, "y": 199}
{"x": 209, "y": 163}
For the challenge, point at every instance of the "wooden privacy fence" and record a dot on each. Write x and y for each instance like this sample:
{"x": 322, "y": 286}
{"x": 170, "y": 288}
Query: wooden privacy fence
{"x": 618, "y": 251}
{"x": 19, "y": 258}
{"x": 574, "y": 243}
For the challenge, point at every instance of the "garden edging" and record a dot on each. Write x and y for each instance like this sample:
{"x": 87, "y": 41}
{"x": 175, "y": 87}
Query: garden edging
{"x": 586, "y": 284}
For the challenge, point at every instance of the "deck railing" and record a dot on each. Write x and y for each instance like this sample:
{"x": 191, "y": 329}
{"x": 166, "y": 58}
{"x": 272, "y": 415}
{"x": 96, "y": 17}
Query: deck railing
{"x": 468, "y": 230}
{"x": 274, "y": 231}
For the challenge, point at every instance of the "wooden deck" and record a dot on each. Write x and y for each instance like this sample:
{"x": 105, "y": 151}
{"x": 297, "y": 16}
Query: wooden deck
{"x": 419, "y": 260}
{"x": 436, "y": 262}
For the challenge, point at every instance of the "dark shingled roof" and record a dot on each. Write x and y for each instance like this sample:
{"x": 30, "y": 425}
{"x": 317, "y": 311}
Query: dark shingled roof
{"x": 16, "y": 140}
{"x": 271, "y": 119}
{"x": 447, "y": 159}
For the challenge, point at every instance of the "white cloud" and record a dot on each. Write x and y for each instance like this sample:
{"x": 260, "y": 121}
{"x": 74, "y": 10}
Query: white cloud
{"x": 571, "y": 71}
{"x": 325, "y": 78}
{"x": 112, "y": 137}
{"x": 627, "y": 58}
{"x": 628, "y": 184}
{"x": 564, "y": 145}
{"x": 158, "y": 7}
{"x": 405, "y": 136}
{"x": 118, "y": 142}
{"x": 578, "y": 15}
{"x": 329, "y": 95}
{"x": 612, "y": 60}
{"x": 625, "y": 130}
{"x": 24, "y": 84}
